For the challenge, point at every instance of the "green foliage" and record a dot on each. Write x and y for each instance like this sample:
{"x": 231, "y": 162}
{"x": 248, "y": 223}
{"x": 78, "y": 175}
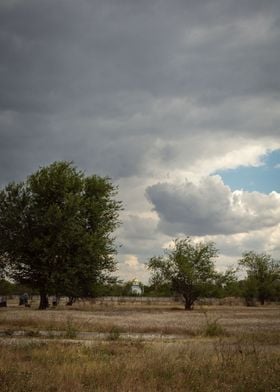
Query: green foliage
{"x": 6, "y": 288}
{"x": 249, "y": 291}
{"x": 111, "y": 289}
{"x": 9, "y": 288}
{"x": 263, "y": 277}
{"x": 56, "y": 230}
{"x": 158, "y": 290}
{"x": 188, "y": 267}
{"x": 225, "y": 285}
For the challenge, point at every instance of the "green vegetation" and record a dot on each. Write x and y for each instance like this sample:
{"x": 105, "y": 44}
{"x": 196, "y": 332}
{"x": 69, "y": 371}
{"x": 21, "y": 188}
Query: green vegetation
{"x": 188, "y": 268}
{"x": 56, "y": 231}
{"x": 263, "y": 277}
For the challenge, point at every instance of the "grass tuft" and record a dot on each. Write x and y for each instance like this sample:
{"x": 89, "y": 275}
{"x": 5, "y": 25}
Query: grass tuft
{"x": 70, "y": 329}
{"x": 114, "y": 334}
{"x": 213, "y": 328}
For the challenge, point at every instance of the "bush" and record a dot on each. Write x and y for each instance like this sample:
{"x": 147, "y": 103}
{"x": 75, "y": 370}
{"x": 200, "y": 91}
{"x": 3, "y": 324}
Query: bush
{"x": 213, "y": 328}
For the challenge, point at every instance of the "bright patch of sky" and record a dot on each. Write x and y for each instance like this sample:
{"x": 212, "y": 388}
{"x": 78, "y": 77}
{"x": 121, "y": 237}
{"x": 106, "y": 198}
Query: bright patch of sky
{"x": 264, "y": 178}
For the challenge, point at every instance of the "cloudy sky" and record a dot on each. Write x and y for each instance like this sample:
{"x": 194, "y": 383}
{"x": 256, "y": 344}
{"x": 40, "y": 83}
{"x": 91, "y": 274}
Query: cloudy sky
{"x": 177, "y": 101}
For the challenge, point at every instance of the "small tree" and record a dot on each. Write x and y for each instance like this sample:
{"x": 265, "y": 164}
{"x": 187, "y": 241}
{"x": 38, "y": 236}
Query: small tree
{"x": 263, "y": 274}
{"x": 188, "y": 267}
{"x": 56, "y": 230}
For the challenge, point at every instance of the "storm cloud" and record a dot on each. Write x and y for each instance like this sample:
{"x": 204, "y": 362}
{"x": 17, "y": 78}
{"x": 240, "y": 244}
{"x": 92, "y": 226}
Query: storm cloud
{"x": 145, "y": 92}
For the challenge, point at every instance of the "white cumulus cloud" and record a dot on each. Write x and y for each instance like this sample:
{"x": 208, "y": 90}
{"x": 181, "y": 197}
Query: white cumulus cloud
{"x": 210, "y": 207}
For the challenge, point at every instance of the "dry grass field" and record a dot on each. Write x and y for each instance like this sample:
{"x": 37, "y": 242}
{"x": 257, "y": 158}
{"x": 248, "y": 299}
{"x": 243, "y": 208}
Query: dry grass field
{"x": 140, "y": 347}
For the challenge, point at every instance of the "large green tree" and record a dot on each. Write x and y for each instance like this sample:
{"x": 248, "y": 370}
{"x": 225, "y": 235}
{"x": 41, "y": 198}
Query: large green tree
{"x": 56, "y": 230}
{"x": 188, "y": 267}
{"x": 263, "y": 276}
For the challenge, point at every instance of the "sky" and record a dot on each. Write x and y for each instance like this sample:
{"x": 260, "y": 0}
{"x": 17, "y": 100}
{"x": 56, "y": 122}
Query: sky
{"x": 177, "y": 102}
{"x": 260, "y": 178}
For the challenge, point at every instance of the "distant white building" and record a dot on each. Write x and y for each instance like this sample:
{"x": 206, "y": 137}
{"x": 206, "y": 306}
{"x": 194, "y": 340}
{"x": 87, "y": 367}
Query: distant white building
{"x": 136, "y": 288}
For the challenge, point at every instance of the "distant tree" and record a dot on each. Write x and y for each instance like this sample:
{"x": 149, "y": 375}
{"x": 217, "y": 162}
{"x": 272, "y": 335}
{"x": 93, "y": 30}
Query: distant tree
{"x": 249, "y": 290}
{"x": 112, "y": 288}
{"x": 225, "y": 285}
{"x": 56, "y": 230}
{"x": 157, "y": 290}
{"x": 188, "y": 267}
{"x": 126, "y": 288}
{"x": 263, "y": 276}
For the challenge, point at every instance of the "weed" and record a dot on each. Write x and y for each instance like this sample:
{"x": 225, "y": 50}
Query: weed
{"x": 32, "y": 333}
{"x": 213, "y": 328}
{"x": 50, "y": 334}
{"x": 114, "y": 334}
{"x": 9, "y": 332}
{"x": 71, "y": 331}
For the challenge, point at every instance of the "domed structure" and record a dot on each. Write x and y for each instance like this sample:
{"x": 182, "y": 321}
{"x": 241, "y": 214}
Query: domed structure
{"x": 136, "y": 288}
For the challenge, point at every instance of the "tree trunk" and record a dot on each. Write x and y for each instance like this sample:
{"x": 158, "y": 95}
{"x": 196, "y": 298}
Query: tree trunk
{"x": 188, "y": 304}
{"x": 44, "y": 301}
{"x": 71, "y": 301}
{"x": 250, "y": 301}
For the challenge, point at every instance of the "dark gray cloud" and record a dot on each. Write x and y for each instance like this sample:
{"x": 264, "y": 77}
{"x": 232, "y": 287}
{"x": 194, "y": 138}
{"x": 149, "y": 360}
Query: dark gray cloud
{"x": 140, "y": 91}
{"x": 93, "y": 68}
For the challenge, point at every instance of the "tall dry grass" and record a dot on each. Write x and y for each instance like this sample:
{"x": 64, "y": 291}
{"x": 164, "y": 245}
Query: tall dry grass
{"x": 224, "y": 365}
{"x": 225, "y": 349}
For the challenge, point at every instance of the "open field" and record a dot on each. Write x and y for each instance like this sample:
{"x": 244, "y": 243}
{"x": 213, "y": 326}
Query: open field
{"x": 143, "y": 318}
{"x": 142, "y": 347}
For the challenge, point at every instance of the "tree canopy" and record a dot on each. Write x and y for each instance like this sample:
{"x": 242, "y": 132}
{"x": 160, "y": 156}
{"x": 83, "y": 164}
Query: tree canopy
{"x": 263, "y": 276}
{"x": 56, "y": 230}
{"x": 188, "y": 267}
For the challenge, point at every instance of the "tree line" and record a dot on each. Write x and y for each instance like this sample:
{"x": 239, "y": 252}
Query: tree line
{"x": 188, "y": 268}
{"x": 56, "y": 238}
